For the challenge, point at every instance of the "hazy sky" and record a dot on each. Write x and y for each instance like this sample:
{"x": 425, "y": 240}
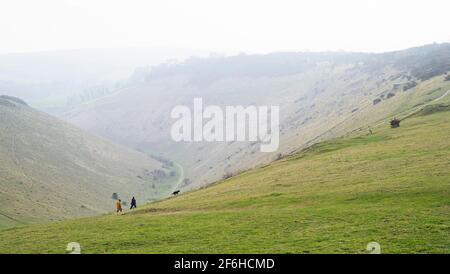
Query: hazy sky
{"x": 228, "y": 26}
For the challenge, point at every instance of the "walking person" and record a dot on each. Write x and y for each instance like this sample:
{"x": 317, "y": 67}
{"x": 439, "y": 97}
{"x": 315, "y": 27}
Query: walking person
{"x": 133, "y": 203}
{"x": 119, "y": 206}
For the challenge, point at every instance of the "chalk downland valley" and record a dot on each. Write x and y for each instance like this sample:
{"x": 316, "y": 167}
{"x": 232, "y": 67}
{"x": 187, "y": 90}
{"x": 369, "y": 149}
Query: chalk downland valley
{"x": 343, "y": 177}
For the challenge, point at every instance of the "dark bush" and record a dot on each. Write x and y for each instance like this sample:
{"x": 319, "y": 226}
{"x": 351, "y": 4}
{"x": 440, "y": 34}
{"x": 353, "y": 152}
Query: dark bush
{"x": 409, "y": 85}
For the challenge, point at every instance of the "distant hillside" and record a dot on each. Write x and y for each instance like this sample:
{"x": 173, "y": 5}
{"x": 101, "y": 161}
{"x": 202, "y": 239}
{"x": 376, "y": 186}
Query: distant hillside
{"x": 51, "y": 170}
{"x": 55, "y": 80}
{"x": 391, "y": 186}
{"x": 321, "y": 96}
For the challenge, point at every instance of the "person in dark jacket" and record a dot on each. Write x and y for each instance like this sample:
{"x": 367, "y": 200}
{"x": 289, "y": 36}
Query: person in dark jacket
{"x": 133, "y": 203}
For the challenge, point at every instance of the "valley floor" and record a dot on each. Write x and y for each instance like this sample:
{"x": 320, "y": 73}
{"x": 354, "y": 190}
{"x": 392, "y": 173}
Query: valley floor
{"x": 392, "y": 187}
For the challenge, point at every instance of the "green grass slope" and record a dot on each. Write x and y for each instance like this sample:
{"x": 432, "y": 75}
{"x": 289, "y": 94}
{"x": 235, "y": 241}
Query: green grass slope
{"x": 321, "y": 96}
{"x": 50, "y": 170}
{"x": 392, "y": 187}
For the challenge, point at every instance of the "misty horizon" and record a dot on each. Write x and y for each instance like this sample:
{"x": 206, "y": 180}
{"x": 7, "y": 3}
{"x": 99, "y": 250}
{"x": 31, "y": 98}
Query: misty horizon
{"x": 211, "y": 53}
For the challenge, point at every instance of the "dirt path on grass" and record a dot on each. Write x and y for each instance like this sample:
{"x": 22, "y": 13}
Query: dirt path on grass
{"x": 427, "y": 104}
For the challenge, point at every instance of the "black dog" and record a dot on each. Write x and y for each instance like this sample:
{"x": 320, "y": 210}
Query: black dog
{"x": 176, "y": 192}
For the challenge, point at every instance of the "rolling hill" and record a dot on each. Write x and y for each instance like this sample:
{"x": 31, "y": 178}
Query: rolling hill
{"x": 391, "y": 187}
{"x": 320, "y": 95}
{"x": 50, "y": 170}
{"x": 55, "y": 80}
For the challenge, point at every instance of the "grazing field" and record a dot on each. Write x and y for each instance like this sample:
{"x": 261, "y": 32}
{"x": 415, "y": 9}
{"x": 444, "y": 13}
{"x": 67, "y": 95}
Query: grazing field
{"x": 391, "y": 187}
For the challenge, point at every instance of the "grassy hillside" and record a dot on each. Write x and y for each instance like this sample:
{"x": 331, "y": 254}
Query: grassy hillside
{"x": 51, "y": 170}
{"x": 320, "y": 95}
{"x": 392, "y": 187}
